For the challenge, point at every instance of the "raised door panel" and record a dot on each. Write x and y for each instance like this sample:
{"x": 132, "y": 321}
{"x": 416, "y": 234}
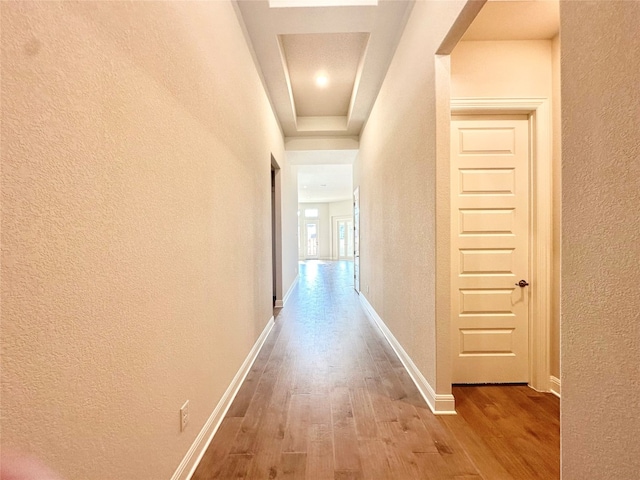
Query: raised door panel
{"x": 490, "y": 249}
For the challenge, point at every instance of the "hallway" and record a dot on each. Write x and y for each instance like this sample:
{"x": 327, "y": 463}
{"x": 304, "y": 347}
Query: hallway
{"x": 328, "y": 398}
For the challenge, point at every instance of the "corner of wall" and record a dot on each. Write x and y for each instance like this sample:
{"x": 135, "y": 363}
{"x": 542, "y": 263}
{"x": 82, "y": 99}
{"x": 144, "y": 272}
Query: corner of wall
{"x": 440, "y": 404}
{"x": 197, "y": 450}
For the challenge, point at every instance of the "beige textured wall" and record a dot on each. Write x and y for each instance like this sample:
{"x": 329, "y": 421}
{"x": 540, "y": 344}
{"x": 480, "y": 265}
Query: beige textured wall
{"x": 289, "y": 225}
{"x": 600, "y": 240}
{"x": 132, "y": 277}
{"x": 341, "y": 209}
{"x": 395, "y": 171}
{"x": 503, "y": 69}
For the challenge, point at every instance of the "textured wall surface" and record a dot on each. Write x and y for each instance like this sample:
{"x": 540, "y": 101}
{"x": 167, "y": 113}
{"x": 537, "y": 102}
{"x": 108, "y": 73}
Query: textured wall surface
{"x": 289, "y": 225}
{"x": 502, "y": 69}
{"x": 396, "y": 174}
{"x": 600, "y": 335}
{"x": 136, "y": 240}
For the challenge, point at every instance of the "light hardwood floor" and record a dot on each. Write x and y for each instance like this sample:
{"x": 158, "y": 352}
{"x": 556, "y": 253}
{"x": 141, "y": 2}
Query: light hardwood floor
{"x": 327, "y": 398}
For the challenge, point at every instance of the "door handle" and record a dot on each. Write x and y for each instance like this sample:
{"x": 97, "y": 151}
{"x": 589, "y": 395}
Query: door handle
{"x": 522, "y": 283}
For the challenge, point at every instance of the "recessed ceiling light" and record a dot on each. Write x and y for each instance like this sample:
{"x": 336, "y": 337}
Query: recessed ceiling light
{"x": 322, "y": 80}
{"x": 323, "y": 184}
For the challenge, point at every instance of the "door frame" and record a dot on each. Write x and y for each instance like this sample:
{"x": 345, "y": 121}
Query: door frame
{"x": 276, "y": 231}
{"x": 541, "y": 239}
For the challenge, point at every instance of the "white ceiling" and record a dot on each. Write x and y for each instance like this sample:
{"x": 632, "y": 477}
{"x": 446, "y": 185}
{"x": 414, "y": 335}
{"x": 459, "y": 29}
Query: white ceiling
{"x": 324, "y": 183}
{"x": 352, "y": 43}
{"x": 516, "y": 20}
{"x": 323, "y": 175}
{"x": 336, "y": 56}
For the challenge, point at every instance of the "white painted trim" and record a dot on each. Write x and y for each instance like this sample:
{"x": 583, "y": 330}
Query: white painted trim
{"x": 283, "y": 302}
{"x": 277, "y": 227}
{"x": 541, "y": 222}
{"x": 443, "y": 338}
{"x": 307, "y": 221}
{"x": 439, "y": 404}
{"x": 191, "y": 460}
{"x": 555, "y": 385}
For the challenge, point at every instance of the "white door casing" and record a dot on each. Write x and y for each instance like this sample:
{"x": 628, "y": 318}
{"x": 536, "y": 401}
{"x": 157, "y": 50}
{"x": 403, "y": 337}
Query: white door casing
{"x": 539, "y": 112}
{"x": 490, "y": 158}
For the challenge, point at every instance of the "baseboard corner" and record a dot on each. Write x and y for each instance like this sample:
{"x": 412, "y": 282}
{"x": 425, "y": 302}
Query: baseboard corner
{"x": 440, "y": 404}
{"x": 555, "y": 385}
{"x": 289, "y": 292}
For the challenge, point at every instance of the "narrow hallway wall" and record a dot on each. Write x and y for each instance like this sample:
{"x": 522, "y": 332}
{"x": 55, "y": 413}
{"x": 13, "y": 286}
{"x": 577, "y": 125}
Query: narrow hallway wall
{"x": 136, "y": 239}
{"x": 600, "y": 334}
{"x": 396, "y": 173}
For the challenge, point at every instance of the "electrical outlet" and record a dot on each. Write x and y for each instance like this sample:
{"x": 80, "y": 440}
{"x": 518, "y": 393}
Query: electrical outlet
{"x": 184, "y": 415}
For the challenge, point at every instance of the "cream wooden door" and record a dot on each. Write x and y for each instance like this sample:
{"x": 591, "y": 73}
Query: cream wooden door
{"x": 490, "y": 248}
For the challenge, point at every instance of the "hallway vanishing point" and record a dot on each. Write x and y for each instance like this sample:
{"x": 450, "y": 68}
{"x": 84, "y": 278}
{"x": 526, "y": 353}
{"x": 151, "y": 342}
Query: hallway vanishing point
{"x": 327, "y": 398}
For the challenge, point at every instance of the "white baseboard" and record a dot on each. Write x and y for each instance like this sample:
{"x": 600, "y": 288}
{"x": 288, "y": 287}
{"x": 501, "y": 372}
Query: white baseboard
{"x": 201, "y": 443}
{"x": 439, "y": 404}
{"x": 555, "y": 385}
{"x": 290, "y": 291}
{"x": 283, "y": 302}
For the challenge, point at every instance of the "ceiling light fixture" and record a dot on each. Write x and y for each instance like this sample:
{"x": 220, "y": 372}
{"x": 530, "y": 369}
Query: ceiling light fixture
{"x": 322, "y": 80}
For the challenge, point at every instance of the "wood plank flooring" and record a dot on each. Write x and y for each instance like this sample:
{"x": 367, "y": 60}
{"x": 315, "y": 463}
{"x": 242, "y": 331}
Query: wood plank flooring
{"x": 327, "y": 398}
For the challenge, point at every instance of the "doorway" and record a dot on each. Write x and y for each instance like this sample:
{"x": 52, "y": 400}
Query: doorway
{"x": 311, "y": 235}
{"x": 276, "y": 234}
{"x": 500, "y": 264}
{"x": 344, "y": 238}
{"x": 490, "y": 248}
